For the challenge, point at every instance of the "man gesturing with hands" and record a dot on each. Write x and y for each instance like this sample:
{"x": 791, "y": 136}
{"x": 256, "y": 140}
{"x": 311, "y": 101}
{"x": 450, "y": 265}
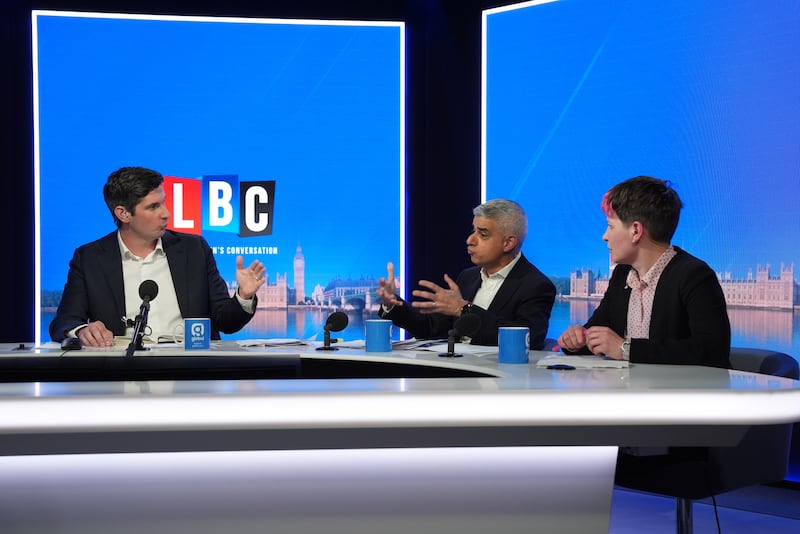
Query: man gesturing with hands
{"x": 502, "y": 288}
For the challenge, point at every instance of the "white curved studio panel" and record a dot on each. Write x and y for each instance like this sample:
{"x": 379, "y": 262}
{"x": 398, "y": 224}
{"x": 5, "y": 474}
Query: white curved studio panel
{"x": 523, "y": 448}
{"x": 441, "y": 490}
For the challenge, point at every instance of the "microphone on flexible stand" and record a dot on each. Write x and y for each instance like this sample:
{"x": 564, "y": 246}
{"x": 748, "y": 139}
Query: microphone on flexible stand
{"x": 147, "y": 292}
{"x": 336, "y": 321}
{"x": 466, "y": 325}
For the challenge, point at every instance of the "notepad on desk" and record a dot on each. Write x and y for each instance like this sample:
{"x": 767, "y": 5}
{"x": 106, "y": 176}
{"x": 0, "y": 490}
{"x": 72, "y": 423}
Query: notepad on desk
{"x": 275, "y": 342}
{"x": 581, "y": 361}
{"x": 414, "y": 343}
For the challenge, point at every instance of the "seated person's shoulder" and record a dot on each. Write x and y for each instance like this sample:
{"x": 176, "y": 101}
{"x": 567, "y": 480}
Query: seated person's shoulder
{"x": 685, "y": 262}
{"x": 104, "y": 242}
{"x": 171, "y": 236}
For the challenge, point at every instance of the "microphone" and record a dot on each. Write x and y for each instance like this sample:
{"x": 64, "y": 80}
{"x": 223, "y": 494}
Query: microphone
{"x": 335, "y": 322}
{"x": 466, "y": 325}
{"x": 147, "y": 292}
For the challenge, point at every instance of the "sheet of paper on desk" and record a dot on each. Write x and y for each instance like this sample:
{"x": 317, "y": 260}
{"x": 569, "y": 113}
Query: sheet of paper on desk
{"x": 352, "y": 344}
{"x": 581, "y": 361}
{"x": 119, "y": 342}
{"x": 274, "y": 342}
{"x": 412, "y": 343}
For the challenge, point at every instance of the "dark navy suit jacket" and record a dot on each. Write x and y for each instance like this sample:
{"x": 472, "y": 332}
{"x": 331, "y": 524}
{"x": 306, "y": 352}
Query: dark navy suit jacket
{"x": 95, "y": 292}
{"x": 524, "y": 299}
{"x": 689, "y": 323}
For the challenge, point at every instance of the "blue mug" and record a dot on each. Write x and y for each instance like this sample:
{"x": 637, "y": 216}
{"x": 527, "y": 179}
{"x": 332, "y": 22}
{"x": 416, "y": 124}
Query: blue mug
{"x": 378, "y": 333}
{"x": 513, "y": 343}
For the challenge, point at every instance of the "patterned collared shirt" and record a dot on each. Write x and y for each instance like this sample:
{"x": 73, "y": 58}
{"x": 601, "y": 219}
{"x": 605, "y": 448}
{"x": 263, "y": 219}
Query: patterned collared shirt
{"x": 643, "y": 290}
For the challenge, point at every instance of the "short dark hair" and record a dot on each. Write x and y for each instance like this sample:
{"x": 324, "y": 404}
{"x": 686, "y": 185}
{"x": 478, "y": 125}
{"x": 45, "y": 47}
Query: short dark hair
{"x": 127, "y": 186}
{"x": 651, "y": 201}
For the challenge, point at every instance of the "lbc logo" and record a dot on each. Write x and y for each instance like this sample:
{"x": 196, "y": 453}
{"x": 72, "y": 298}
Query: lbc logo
{"x": 220, "y": 203}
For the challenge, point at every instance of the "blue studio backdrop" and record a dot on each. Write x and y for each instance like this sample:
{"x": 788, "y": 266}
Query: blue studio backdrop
{"x": 579, "y": 95}
{"x": 308, "y": 112}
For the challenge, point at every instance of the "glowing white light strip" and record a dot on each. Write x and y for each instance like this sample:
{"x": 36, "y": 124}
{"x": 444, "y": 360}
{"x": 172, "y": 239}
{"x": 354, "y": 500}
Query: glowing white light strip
{"x": 358, "y": 491}
{"x": 234, "y": 20}
{"x": 403, "y": 165}
{"x": 484, "y": 62}
{"x": 35, "y": 14}
{"x": 484, "y": 40}
{"x": 396, "y": 409}
{"x": 513, "y": 7}
{"x": 324, "y": 463}
{"x": 37, "y": 261}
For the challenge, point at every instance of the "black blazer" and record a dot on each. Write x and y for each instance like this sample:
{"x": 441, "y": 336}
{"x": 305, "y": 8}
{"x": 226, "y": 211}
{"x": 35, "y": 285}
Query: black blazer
{"x": 94, "y": 290}
{"x": 689, "y": 323}
{"x": 525, "y": 299}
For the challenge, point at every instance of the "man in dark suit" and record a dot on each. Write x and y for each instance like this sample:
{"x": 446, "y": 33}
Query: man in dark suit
{"x": 102, "y": 287}
{"x": 662, "y": 304}
{"x": 503, "y": 289}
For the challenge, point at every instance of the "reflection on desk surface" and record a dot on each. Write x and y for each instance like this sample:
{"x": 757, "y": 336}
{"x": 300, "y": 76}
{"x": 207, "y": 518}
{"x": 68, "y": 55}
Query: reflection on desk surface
{"x": 257, "y": 367}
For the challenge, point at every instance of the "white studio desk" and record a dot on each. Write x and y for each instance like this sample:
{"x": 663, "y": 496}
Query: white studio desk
{"x": 497, "y": 448}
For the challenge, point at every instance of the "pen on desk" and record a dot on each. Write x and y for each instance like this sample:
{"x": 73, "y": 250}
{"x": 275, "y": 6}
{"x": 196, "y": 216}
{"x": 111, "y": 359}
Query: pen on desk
{"x": 561, "y": 367}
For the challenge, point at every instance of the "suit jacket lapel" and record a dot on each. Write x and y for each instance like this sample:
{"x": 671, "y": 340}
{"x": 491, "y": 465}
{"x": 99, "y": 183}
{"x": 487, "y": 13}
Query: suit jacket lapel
{"x": 510, "y": 285}
{"x": 110, "y": 264}
{"x": 471, "y": 285}
{"x": 176, "y": 258}
{"x": 504, "y": 294}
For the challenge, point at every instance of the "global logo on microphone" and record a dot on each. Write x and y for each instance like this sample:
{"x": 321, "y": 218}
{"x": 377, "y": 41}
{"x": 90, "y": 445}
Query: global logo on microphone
{"x": 198, "y": 333}
{"x": 220, "y": 203}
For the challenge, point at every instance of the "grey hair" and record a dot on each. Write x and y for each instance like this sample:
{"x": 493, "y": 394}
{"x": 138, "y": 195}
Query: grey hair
{"x": 510, "y": 217}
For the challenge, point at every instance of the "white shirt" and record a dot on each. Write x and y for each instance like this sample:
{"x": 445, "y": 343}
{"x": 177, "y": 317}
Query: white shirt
{"x": 164, "y": 320}
{"x": 490, "y": 284}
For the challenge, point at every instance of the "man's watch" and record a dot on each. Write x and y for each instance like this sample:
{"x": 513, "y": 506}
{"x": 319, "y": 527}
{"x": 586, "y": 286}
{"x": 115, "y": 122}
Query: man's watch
{"x": 467, "y": 308}
{"x": 625, "y": 348}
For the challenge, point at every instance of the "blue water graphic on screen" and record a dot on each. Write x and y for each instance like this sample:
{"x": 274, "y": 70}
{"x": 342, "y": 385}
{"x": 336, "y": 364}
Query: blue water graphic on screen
{"x": 312, "y": 109}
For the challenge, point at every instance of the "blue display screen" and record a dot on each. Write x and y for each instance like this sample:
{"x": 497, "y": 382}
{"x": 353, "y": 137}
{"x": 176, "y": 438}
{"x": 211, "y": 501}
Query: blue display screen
{"x": 312, "y": 110}
{"x": 580, "y": 95}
